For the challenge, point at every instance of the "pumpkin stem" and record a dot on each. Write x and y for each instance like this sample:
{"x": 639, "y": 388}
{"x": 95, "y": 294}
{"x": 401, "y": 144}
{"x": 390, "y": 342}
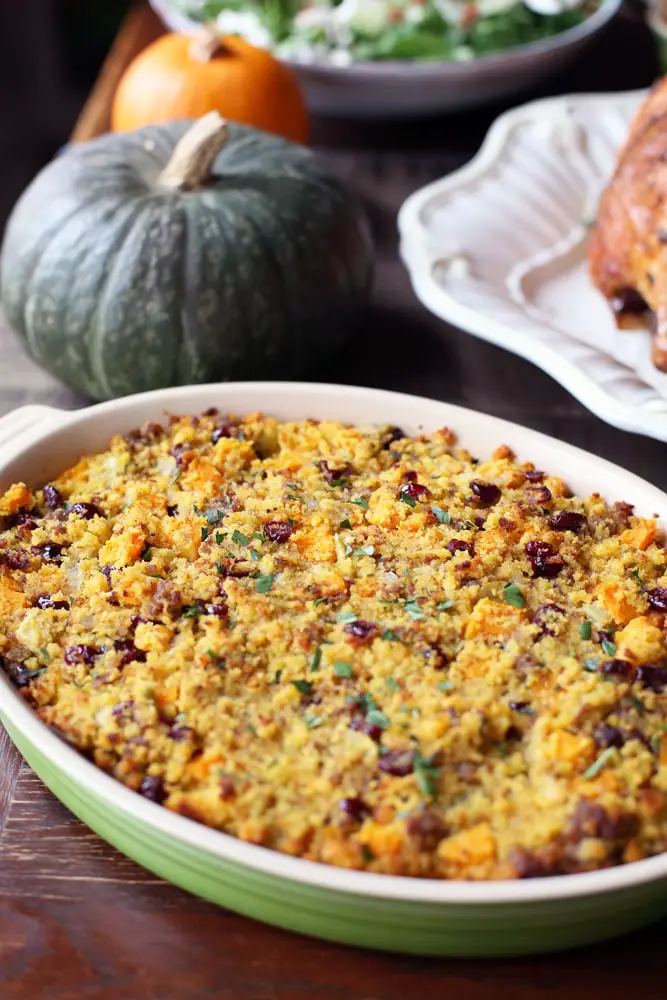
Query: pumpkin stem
{"x": 190, "y": 165}
{"x": 206, "y": 44}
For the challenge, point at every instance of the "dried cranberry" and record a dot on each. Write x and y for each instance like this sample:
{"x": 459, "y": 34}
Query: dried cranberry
{"x": 529, "y": 864}
{"x": 414, "y": 490}
{"x": 277, "y": 531}
{"x": 480, "y": 522}
{"x": 657, "y": 598}
{"x": 426, "y": 827}
{"x": 81, "y": 654}
{"x": 50, "y": 552}
{"x": 227, "y": 788}
{"x": 397, "y": 763}
{"x": 543, "y": 614}
{"x": 218, "y": 610}
{"x": 360, "y": 632}
{"x": 53, "y": 498}
{"x": 136, "y": 620}
{"x": 178, "y": 451}
{"x": 519, "y": 706}
{"x": 180, "y": 734}
{"x": 360, "y": 724}
{"x": 394, "y": 434}
{"x": 333, "y": 475}
{"x": 537, "y": 495}
{"x": 128, "y": 651}
{"x": 27, "y": 521}
{"x": 411, "y": 476}
{"x": 608, "y": 736}
{"x": 616, "y": 668}
{"x": 15, "y": 558}
{"x": 45, "y": 602}
{"x": 458, "y": 545}
{"x": 590, "y": 820}
{"x": 543, "y": 561}
{"x": 487, "y": 493}
{"x": 354, "y": 809}
{"x": 223, "y": 431}
{"x": 534, "y": 475}
{"x": 152, "y": 788}
{"x": 86, "y": 510}
{"x": 653, "y": 677}
{"x": 172, "y": 509}
{"x": 567, "y": 520}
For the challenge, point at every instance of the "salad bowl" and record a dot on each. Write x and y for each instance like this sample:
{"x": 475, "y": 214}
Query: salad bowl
{"x": 421, "y": 916}
{"x": 393, "y": 88}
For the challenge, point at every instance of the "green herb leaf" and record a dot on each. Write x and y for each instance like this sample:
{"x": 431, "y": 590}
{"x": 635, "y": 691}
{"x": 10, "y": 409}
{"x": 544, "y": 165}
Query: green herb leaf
{"x": 303, "y": 687}
{"x": 591, "y": 665}
{"x": 377, "y": 718}
{"x": 319, "y": 600}
{"x": 44, "y": 653}
{"x": 390, "y": 636}
{"x": 239, "y": 538}
{"x": 512, "y": 595}
{"x": 585, "y": 630}
{"x": 410, "y": 501}
{"x": 635, "y": 574}
{"x": 426, "y": 773}
{"x": 221, "y": 568}
{"x": 367, "y": 550}
{"x": 220, "y": 537}
{"x": 313, "y": 721}
{"x": 608, "y": 647}
{"x": 213, "y": 516}
{"x": 176, "y": 476}
{"x": 195, "y": 508}
{"x": 392, "y": 684}
{"x": 502, "y": 748}
{"x": 597, "y": 765}
{"x": 444, "y": 605}
{"x": 316, "y": 660}
{"x": 276, "y": 677}
{"x": 442, "y": 515}
{"x": 347, "y": 616}
{"x": 360, "y": 502}
{"x": 147, "y": 554}
{"x": 343, "y": 669}
{"x": 338, "y": 482}
{"x": 413, "y": 609}
{"x": 366, "y": 853}
{"x": 635, "y": 702}
{"x": 264, "y": 583}
{"x": 258, "y": 535}
{"x": 191, "y": 611}
{"x": 446, "y": 686}
{"x": 204, "y": 533}
{"x": 254, "y": 555}
{"x": 345, "y": 524}
{"x": 655, "y": 743}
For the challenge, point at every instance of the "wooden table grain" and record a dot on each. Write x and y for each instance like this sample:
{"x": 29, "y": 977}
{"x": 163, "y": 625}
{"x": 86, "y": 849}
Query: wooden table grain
{"x": 80, "y": 922}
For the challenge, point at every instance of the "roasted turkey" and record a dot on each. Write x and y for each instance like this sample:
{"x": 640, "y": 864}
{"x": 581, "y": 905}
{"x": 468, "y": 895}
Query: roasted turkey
{"x": 628, "y": 246}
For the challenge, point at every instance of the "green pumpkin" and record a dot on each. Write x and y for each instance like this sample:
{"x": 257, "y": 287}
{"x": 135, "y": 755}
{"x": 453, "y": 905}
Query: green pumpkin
{"x": 183, "y": 253}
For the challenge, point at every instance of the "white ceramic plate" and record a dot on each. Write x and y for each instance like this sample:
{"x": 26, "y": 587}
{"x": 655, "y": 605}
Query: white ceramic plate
{"x": 412, "y": 89}
{"x": 499, "y": 249}
{"x": 424, "y": 916}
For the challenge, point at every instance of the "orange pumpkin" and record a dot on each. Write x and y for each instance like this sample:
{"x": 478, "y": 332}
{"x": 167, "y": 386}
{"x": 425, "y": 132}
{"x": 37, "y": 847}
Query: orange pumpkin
{"x": 182, "y": 77}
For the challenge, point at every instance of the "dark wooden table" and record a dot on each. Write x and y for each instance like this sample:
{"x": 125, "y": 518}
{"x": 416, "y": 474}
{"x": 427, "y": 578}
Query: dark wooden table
{"x": 80, "y": 922}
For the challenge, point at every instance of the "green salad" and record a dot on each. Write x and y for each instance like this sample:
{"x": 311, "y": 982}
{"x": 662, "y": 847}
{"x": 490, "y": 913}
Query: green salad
{"x": 340, "y": 32}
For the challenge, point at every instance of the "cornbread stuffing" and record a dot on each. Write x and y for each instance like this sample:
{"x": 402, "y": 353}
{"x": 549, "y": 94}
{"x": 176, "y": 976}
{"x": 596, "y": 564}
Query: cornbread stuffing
{"x": 350, "y": 645}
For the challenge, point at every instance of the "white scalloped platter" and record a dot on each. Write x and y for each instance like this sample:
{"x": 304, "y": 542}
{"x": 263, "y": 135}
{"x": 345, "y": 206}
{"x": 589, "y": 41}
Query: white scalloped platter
{"x": 498, "y": 249}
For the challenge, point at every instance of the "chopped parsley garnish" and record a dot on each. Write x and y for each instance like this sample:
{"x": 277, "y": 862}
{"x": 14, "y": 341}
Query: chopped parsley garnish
{"x": 239, "y": 538}
{"x": 343, "y": 669}
{"x": 303, "y": 687}
{"x": 44, "y": 653}
{"x": 313, "y": 721}
{"x": 339, "y": 482}
{"x": 444, "y": 605}
{"x": 176, "y": 476}
{"x": 377, "y": 718}
{"x": 276, "y": 677}
{"x": 319, "y": 600}
{"x": 146, "y": 555}
{"x": 345, "y": 524}
{"x": 512, "y": 595}
{"x": 637, "y": 577}
{"x": 220, "y": 537}
{"x": 445, "y": 686}
{"x": 347, "y": 616}
{"x": 390, "y": 636}
{"x": 360, "y": 502}
{"x": 392, "y": 684}
{"x": 410, "y": 501}
{"x": 258, "y": 535}
{"x": 213, "y": 516}
{"x": 597, "y": 765}
{"x": 191, "y": 611}
{"x": 292, "y": 486}
{"x": 221, "y": 568}
{"x": 591, "y": 665}
{"x": 195, "y": 508}
{"x": 366, "y": 853}
{"x": 316, "y": 660}
{"x": 366, "y": 550}
{"x": 585, "y": 630}
{"x": 204, "y": 534}
{"x": 254, "y": 555}
{"x": 413, "y": 608}
{"x": 426, "y": 773}
{"x": 635, "y": 702}
{"x": 442, "y": 515}
{"x": 608, "y": 647}
{"x": 264, "y": 583}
